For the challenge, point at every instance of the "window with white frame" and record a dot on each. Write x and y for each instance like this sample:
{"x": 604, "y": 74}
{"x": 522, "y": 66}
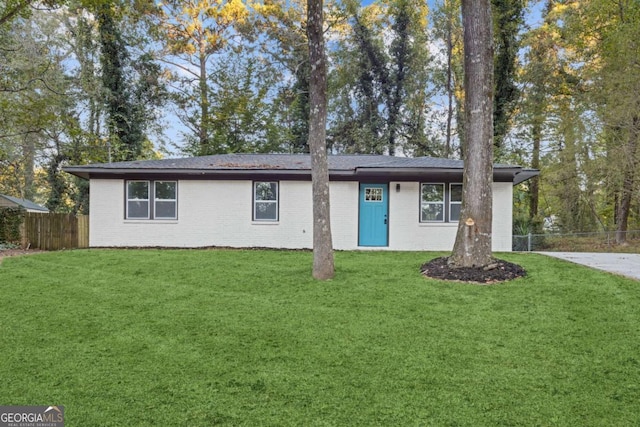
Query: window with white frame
{"x": 455, "y": 201}
{"x": 165, "y": 200}
{"x": 151, "y": 199}
{"x": 432, "y": 203}
{"x": 138, "y": 206}
{"x": 265, "y": 201}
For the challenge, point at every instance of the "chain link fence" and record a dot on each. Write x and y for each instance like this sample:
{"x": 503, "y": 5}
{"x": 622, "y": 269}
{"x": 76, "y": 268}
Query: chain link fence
{"x": 577, "y": 242}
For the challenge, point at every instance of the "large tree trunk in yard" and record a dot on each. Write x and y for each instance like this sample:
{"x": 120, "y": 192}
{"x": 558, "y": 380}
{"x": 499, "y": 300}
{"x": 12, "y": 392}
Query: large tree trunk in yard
{"x": 323, "y": 264}
{"x": 472, "y": 247}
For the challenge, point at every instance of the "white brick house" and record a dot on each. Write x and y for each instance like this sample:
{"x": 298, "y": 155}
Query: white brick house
{"x": 265, "y": 200}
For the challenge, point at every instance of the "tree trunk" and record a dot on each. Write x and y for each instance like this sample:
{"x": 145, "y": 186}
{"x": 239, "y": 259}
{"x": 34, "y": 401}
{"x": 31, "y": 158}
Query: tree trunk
{"x": 400, "y": 55}
{"x": 534, "y": 186}
{"x": 323, "y": 265}
{"x": 629, "y": 171}
{"x": 472, "y": 247}
{"x": 203, "y": 132}
{"x": 29, "y": 156}
{"x": 509, "y": 20}
{"x": 568, "y": 190}
{"x": 450, "y": 89}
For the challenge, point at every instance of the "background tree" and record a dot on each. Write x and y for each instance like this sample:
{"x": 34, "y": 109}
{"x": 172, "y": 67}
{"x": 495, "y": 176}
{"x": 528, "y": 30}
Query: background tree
{"x": 192, "y": 33}
{"x": 126, "y": 137}
{"x": 244, "y": 117}
{"x": 539, "y": 74}
{"x": 581, "y": 101}
{"x": 508, "y": 22}
{"x": 12, "y": 9}
{"x": 605, "y": 39}
{"x": 323, "y": 263}
{"x": 32, "y": 90}
{"x": 380, "y": 79}
{"x": 55, "y": 107}
{"x": 449, "y": 76}
{"x": 472, "y": 246}
{"x": 282, "y": 34}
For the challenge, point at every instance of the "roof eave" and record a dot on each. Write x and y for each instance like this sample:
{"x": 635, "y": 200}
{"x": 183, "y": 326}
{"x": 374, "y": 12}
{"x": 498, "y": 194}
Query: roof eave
{"x": 503, "y": 174}
{"x": 513, "y": 174}
{"x": 89, "y": 172}
{"x": 524, "y": 175}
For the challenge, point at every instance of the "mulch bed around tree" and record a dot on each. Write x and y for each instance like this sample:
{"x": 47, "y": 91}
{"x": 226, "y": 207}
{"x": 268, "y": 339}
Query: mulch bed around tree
{"x": 497, "y": 271}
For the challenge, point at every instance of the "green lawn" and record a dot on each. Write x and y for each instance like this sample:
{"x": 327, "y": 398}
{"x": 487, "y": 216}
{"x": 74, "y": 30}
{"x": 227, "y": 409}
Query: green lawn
{"x": 205, "y": 337}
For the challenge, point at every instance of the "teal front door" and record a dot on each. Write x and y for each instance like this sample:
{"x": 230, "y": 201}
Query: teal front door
{"x": 374, "y": 212}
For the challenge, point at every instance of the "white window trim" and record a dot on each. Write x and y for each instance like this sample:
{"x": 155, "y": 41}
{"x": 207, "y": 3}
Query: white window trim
{"x": 151, "y": 187}
{"x": 442, "y": 203}
{"x": 453, "y": 203}
{"x": 148, "y": 200}
{"x": 276, "y": 202}
{"x": 155, "y": 201}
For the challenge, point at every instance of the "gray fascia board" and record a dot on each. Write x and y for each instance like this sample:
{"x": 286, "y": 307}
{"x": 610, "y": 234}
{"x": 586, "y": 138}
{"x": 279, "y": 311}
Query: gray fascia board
{"x": 87, "y": 172}
{"x": 508, "y": 173}
{"x": 394, "y": 171}
{"x": 513, "y": 174}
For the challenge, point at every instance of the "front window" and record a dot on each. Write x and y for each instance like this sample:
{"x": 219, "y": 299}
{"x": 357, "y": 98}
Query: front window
{"x": 138, "y": 199}
{"x": 265, "y": 200}
{"x": 165, "y": 200}
{"x": 455, "y": 201}
{"x": 152, "y": 200}
{"x": 432, "y": 203}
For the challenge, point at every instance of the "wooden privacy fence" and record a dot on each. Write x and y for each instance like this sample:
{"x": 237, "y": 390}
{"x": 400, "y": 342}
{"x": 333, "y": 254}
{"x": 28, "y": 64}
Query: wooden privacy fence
{"x": 54, "y": 231}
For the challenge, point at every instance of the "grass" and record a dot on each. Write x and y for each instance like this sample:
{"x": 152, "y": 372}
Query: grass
{"x": 206, "y": 337}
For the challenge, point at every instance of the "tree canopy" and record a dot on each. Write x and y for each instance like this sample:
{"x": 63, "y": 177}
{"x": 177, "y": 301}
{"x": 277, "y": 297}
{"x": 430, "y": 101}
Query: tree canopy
{"x": 95, "y": 81}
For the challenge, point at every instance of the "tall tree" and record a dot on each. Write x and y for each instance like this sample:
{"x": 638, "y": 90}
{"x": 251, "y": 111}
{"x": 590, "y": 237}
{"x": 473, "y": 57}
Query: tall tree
{"x": 125, "y": 135}
{"x": 402, "y": 53}
{"x": 539, "y": 73}
{"x": 508, "y": 22}
{"x": 282, "y": 27}
{"x": 132, "y": 86}
{"x": 472, "y": 246}
{"x": 32, "y": 89}
{"x": 243, "y": 114}
{"x": 381, "y": 74}
{"x": 192, "y": 33}
{"x": 616, "y": 27}
{"x": 601, "y": 47}
{"x": 448, "y": 28}
{"x": 362, "y": 84}
{"x": 323, "y": 263}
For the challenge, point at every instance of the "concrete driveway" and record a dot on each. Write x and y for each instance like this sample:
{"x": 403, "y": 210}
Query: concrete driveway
{"x": 624, "y": 264}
